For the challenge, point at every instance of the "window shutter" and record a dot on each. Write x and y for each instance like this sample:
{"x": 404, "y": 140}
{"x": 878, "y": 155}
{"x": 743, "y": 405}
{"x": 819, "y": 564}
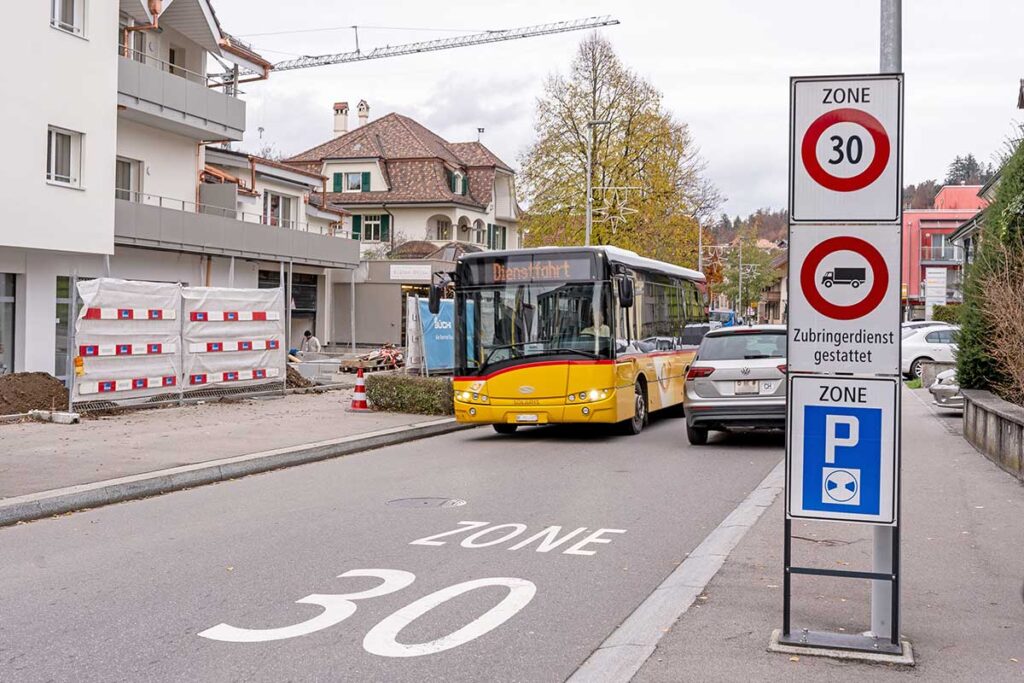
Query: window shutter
{"x": 357, "y": 227}
{"x": 465, "y": 184}
{"x": 490, "y": 236}
{"x": 366, "y": 181}
{"x": 337, "y": 182}
{"x": 385, "y": 228}
{"x": 504, "y": 238}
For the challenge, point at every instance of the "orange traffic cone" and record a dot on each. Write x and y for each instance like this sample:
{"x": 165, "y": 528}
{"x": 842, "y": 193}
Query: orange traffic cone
{"x": 359, "y": 395}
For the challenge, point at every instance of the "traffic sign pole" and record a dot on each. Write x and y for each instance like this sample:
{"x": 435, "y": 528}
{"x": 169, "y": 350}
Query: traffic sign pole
{"x": 885, "y": 546}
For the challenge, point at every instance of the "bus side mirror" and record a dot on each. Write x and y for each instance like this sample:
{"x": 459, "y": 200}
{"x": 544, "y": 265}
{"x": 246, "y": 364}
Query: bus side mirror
{"x": 626, "y": 292}
{"x": 434, "y": 299}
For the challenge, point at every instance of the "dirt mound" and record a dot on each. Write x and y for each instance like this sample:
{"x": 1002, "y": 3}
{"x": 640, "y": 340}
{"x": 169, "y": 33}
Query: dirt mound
{"x": 21, "y": 392}
{"x": 297, "y": 381}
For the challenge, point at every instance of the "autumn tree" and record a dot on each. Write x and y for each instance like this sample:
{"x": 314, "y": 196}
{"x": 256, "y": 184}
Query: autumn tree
{"x": 642, "y": 148}
{"x": 756, "y": 265}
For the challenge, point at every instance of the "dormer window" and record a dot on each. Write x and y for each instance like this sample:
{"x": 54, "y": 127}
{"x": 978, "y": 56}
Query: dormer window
{"x": 353, "y": 181}
{"x": 457, "y": 182}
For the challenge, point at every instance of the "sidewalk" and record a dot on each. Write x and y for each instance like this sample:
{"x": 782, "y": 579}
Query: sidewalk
{"x": 963, "y": 563}
{"x": 36, "y": 456}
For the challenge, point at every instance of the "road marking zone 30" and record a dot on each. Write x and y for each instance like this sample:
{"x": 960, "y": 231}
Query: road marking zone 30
{"x": 547, "y": 539}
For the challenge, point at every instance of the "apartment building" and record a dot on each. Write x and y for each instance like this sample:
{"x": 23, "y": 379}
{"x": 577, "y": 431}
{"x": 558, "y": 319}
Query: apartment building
{"x": 928, "y": 246}
{"x": 119, "y": 129}
{"x": 416, "y": 202}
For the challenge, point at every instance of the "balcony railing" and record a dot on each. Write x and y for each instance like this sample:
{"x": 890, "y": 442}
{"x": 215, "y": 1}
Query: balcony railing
{"x": 243, "y": 216}
{"x": 944, "y": 254}
{"x": 167, "y": 67}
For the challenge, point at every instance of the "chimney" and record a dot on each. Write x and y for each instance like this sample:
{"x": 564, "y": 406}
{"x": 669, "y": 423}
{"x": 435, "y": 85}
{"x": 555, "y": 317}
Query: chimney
{"x": 364, "y": 112}
{"x": 340, "y": 118}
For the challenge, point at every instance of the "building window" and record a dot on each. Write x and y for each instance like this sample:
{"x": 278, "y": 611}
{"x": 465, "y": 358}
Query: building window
{"x": 371, "y": 228}
{"x": 7, "y": 281}
{"x": 444, "y": 229}
{"x": 277, "y": 209}
{"x": 176, "y": 58}
{"x": 63, "y": 156}
{"x": 126, "y": 179}
{"x": 68, "y": 15}
{"x": 496, "y": 236}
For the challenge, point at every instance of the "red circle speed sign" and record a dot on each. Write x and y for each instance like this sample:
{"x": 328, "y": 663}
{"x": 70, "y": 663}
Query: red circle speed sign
{"x": 880, "y": 279}
{"x": 808, "y": 150}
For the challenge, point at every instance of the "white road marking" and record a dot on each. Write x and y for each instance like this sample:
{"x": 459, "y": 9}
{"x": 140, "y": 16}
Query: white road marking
{"x": 516, "y": 530}
{"x": 549, "y": 535}
{"x": 622, "y": 654}
{"x": 429, "y": 540}
{"x": 337, "y": 608}
{"x": 551, "y": 540}
{"x": 592, "y": 538}
{"x": 382, "y": 639}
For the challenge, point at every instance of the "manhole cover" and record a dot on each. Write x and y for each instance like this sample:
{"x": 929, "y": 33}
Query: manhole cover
{"x": 427, "y": 502}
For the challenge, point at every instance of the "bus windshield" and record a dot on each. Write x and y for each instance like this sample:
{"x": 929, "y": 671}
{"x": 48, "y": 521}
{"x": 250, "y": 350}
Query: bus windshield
{"x": 528, "y": 320}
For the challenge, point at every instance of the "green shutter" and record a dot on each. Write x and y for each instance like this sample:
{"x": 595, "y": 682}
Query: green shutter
{"x": 465, "y": 184}
{"x": 385, "y": 228}
{"x": 504, "y": 238}
{"x": 490, "y": 236}
{"x": 337, "y": 182}
{"x": 366, "y": 181}
{"x": 357, "y": 227}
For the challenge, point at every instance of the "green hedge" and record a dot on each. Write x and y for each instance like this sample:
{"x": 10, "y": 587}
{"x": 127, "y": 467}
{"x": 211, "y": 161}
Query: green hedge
{"x": 398, "y": 393}
{"x": 948, "y": 313}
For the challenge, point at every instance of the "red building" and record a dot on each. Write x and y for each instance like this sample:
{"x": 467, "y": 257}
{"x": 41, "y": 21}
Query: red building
{"x": 926, "y": 243}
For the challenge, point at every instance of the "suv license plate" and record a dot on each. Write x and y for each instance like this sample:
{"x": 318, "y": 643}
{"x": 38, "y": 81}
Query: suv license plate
{"x": 526, "y": 417}
{"x": 746, "y": 386}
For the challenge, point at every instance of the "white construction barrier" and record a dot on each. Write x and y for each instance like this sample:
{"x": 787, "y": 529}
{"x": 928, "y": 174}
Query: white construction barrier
{"x": 232, "y": 337}
{"x": 127, "y": 340}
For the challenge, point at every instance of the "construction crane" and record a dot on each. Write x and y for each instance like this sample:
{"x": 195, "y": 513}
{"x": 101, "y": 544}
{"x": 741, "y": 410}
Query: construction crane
{"x": 440, "y": 44}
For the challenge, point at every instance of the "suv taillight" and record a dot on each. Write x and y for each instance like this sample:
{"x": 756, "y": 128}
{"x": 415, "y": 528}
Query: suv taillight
{"x": 697, "y": 372}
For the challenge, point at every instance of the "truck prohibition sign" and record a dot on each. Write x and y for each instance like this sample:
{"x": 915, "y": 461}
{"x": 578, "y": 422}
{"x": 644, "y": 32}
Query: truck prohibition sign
{"x": 845, "y": 276}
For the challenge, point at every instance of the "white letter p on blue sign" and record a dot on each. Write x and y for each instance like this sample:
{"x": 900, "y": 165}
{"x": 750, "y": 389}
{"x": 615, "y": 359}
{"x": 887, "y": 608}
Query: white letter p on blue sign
{"x": 832, "y": 438}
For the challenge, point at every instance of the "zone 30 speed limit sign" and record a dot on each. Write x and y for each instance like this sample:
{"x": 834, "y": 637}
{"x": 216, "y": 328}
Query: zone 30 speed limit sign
{"x": 844, "y": 149}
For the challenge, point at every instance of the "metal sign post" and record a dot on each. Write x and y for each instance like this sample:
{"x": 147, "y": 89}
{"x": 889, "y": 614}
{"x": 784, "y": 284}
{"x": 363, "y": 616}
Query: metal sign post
{"x": 843, "y": 426}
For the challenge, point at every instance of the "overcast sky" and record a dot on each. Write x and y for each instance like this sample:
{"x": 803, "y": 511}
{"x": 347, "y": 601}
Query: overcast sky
{"x": 723, "y": 66}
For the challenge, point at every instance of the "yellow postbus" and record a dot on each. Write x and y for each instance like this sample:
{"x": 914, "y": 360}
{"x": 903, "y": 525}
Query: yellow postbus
{"x": 572, "y": 335}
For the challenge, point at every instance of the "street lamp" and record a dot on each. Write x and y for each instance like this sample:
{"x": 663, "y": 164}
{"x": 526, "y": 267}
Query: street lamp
{"x": 590, "y": 163}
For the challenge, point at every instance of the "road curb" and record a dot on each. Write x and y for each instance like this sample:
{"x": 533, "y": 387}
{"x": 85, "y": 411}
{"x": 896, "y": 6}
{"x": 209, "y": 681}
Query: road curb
{"x": 59, "y": 501}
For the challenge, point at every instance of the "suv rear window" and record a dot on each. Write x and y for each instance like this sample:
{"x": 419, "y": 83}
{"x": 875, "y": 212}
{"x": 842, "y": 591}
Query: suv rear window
{"x": 743, "y": 346}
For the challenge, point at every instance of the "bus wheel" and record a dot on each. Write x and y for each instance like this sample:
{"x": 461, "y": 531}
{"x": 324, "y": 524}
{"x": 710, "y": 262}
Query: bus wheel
{"x": 505, "y": 428}
{"x": 636, "y": 424}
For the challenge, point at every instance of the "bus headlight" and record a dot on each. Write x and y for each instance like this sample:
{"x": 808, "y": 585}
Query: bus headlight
{"x": 595, "y": 394}
{"x": 572, "y": 397}
{"x": 464, "y": 396}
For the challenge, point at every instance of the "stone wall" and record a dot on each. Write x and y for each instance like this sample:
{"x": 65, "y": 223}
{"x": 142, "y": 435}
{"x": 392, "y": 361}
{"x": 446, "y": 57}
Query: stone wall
{"x": 996, "y": 428}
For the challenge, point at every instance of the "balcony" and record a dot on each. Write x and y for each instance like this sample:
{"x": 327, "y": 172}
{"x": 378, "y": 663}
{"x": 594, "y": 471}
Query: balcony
{"x": 944, "y": 255}
{"x": 146, "y": 220}
{"x": 162, "y": 95}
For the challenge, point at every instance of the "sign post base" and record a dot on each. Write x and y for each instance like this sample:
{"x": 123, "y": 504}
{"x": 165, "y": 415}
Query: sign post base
{"x": 842, "y": 646}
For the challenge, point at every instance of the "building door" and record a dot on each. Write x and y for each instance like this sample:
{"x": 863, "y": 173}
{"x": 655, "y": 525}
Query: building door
{"x": 7, "y": 295}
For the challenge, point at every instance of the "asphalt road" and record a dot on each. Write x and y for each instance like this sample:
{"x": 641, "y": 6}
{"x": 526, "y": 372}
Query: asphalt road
{"x": 123, "y": 592}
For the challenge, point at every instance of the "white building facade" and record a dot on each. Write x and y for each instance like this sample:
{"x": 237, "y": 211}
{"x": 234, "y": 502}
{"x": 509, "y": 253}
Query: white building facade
{"x": 111, "y": 129}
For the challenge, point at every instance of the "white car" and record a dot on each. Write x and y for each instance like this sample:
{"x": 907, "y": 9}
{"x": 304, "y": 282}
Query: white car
{"x": 927, "y": 343}
{"x": 918, "y": 324}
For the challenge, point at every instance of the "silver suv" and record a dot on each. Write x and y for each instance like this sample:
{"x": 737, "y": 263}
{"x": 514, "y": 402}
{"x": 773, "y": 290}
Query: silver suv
{"x": 738, "y": 379}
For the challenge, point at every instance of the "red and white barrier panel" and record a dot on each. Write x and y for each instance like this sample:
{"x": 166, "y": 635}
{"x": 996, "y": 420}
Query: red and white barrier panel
{"x": 129, "y": 314}
{"x": 232, "y": 316}
{"x": 232, "y": 376}
{"x": 239, "y": 345}
{"x": 114, "y": 385}
{"x": 99, "y": 350}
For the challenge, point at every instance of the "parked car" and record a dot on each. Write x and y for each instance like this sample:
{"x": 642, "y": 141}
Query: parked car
{"x": 918, "y": 324}
{"x": 928, "y": 343}
{"x": 737, "y": 379}
{"x": 946, "y": 390}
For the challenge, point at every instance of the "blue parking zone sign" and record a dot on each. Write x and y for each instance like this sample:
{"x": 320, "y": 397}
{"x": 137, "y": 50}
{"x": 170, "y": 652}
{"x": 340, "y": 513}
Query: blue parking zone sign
{"x": 842, "y": 449}
{"x": 842, "y": 459}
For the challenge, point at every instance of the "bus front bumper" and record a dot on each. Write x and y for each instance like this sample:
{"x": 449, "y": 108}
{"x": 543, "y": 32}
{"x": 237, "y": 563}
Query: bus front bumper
{"x": 599, "y": 411}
